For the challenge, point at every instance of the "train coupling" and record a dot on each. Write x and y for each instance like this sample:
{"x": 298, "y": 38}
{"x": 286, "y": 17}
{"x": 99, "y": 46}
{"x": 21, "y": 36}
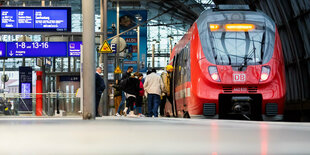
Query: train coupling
{"x": 241, "y": 104}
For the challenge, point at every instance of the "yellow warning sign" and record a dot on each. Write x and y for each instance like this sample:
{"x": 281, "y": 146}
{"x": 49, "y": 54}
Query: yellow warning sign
{"x": 105, "y": 48}
{"x": 117, "y": 70}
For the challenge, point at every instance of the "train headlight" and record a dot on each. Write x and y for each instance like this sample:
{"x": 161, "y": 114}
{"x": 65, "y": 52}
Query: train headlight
{"x": 265, "y": 73}
{"x": 214, "y": 73}
{"x": 215, "y": 76}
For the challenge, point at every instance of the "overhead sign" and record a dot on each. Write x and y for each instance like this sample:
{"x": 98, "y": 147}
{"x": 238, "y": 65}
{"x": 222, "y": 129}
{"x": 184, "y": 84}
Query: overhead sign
{"x": 105, "y": 48}
{"x": 36, "y": 49}
{"x": 74, "y": 48}
{"x": 35, "y": 19}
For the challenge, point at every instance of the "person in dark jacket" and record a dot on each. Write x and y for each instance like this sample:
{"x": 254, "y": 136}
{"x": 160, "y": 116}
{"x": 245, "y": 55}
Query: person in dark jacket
{"x": 125, "y": 76}
{"x": 131, "y": 90}
{"x": 100, "y": 86}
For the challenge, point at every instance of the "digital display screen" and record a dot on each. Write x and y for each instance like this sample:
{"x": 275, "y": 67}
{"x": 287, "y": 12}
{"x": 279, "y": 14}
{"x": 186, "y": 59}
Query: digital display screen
{"x": 35, "y": 19}
{"x": 36, "y": 49}
{"x": 50, "y": 19}
{"x": 2, "y": 49}
{"x": 26, "y": 90}
{"x": 74, "y": 48}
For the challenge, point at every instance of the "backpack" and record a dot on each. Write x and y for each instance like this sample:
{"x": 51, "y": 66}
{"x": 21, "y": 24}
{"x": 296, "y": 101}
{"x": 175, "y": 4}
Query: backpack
{"x": 123, "y": 83}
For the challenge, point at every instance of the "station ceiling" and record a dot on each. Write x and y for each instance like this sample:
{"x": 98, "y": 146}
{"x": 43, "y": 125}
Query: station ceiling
{"x": 173, "y": 12}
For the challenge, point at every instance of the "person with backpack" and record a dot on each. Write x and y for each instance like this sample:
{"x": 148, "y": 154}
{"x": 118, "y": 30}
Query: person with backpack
{"x": 131, "y": 90}
{"x": 167, "y": 94}
{"x": 125, "y": 76}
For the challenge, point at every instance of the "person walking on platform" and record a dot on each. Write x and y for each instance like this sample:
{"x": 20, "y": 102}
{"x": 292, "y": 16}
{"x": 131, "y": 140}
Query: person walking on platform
{"x": 139, "y": 99}
{"x": 131, "y": 90}
{"x": 117, "y": 95}
{"x": 153, "y": 85}
{"x": 167, "y": 93}
{"x": 100, "y": 86}
{"x": 125, "y": 75}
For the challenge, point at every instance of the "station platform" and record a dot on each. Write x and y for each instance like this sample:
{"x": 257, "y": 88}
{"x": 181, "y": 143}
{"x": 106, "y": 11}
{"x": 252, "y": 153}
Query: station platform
{"x": 124, "y": 135}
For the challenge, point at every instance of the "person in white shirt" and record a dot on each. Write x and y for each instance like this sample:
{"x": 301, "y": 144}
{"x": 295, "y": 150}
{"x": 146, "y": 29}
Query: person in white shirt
{"x": 154, "y": 86}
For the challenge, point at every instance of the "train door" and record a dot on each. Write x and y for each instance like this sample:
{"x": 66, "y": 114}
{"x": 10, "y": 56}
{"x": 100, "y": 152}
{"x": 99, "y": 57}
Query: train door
{"x": 179, "y": 84}
{"x": 174, "y": 107}
{"x": 186, "y": 80}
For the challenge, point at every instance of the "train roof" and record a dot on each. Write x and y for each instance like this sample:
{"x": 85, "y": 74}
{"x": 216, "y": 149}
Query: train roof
{"x": 234, "y": 12}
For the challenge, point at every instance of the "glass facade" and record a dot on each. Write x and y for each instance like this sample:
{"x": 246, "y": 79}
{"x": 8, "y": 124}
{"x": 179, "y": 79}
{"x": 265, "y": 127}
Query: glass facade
{"x": 162, "y": 37}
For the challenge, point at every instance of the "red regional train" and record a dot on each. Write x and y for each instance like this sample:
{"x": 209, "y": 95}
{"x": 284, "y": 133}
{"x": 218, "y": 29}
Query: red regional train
{"x": 229, "y": 63}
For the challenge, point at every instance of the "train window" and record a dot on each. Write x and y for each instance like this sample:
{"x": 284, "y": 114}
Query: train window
{"x": 182, "y": 66}
{"x": 178, "y": 70}
{"x": 237, "y": 48}
{"x": 187, "y": 64}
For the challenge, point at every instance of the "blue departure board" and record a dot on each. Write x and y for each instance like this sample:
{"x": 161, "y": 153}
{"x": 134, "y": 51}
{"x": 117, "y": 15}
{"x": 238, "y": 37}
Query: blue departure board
{"x": 36, "y": 49}
{"x": 2, "y": 49}
{"x": 25, "y": 18}
{"x": 74, "y": 48}
{"x": 35, "y": 19}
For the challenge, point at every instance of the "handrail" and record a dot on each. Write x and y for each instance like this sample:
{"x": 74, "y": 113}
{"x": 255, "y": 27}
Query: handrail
{"x": 50, "y": 95}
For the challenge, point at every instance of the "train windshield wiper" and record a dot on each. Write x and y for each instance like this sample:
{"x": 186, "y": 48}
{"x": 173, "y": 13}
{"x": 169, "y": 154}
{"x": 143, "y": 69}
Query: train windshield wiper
{"x": 249, "y": 57}
{"x": 230, "y": 55}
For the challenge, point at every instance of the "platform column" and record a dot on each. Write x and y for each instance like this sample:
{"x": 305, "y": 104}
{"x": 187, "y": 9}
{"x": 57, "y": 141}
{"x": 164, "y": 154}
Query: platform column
{"x": 88, "y": 67}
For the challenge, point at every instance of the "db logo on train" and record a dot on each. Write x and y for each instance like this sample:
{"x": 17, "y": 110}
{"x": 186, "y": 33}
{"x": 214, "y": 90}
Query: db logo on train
{"x": 239, "y": 77}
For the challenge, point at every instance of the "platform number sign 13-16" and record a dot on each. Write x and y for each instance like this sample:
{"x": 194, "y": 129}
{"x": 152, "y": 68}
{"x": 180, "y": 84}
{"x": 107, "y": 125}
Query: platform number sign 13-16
{"x": 239, "y": 77}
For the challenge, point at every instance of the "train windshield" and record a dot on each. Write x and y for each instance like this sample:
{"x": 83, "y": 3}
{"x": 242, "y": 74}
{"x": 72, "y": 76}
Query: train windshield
{"x": 237, "y": 44}
{"x": 236, "y": 38}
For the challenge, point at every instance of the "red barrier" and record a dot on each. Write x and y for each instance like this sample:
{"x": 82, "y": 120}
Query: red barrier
{"x": 39, "y": 89}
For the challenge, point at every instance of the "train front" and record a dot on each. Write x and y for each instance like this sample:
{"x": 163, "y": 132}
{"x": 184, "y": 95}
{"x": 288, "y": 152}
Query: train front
{"x": 242, "y": 66}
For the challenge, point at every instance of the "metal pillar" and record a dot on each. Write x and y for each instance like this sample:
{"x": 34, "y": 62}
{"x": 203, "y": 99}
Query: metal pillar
{"x": 88, "y": 67}
{"x": 153, "y": 53}
{"x": 45, "y": 107}
{"x": 138, "y": 48}
{"x": 118, "y": 44}
{"x": 105, "y": 97}
{"x": 24, "y": 39}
